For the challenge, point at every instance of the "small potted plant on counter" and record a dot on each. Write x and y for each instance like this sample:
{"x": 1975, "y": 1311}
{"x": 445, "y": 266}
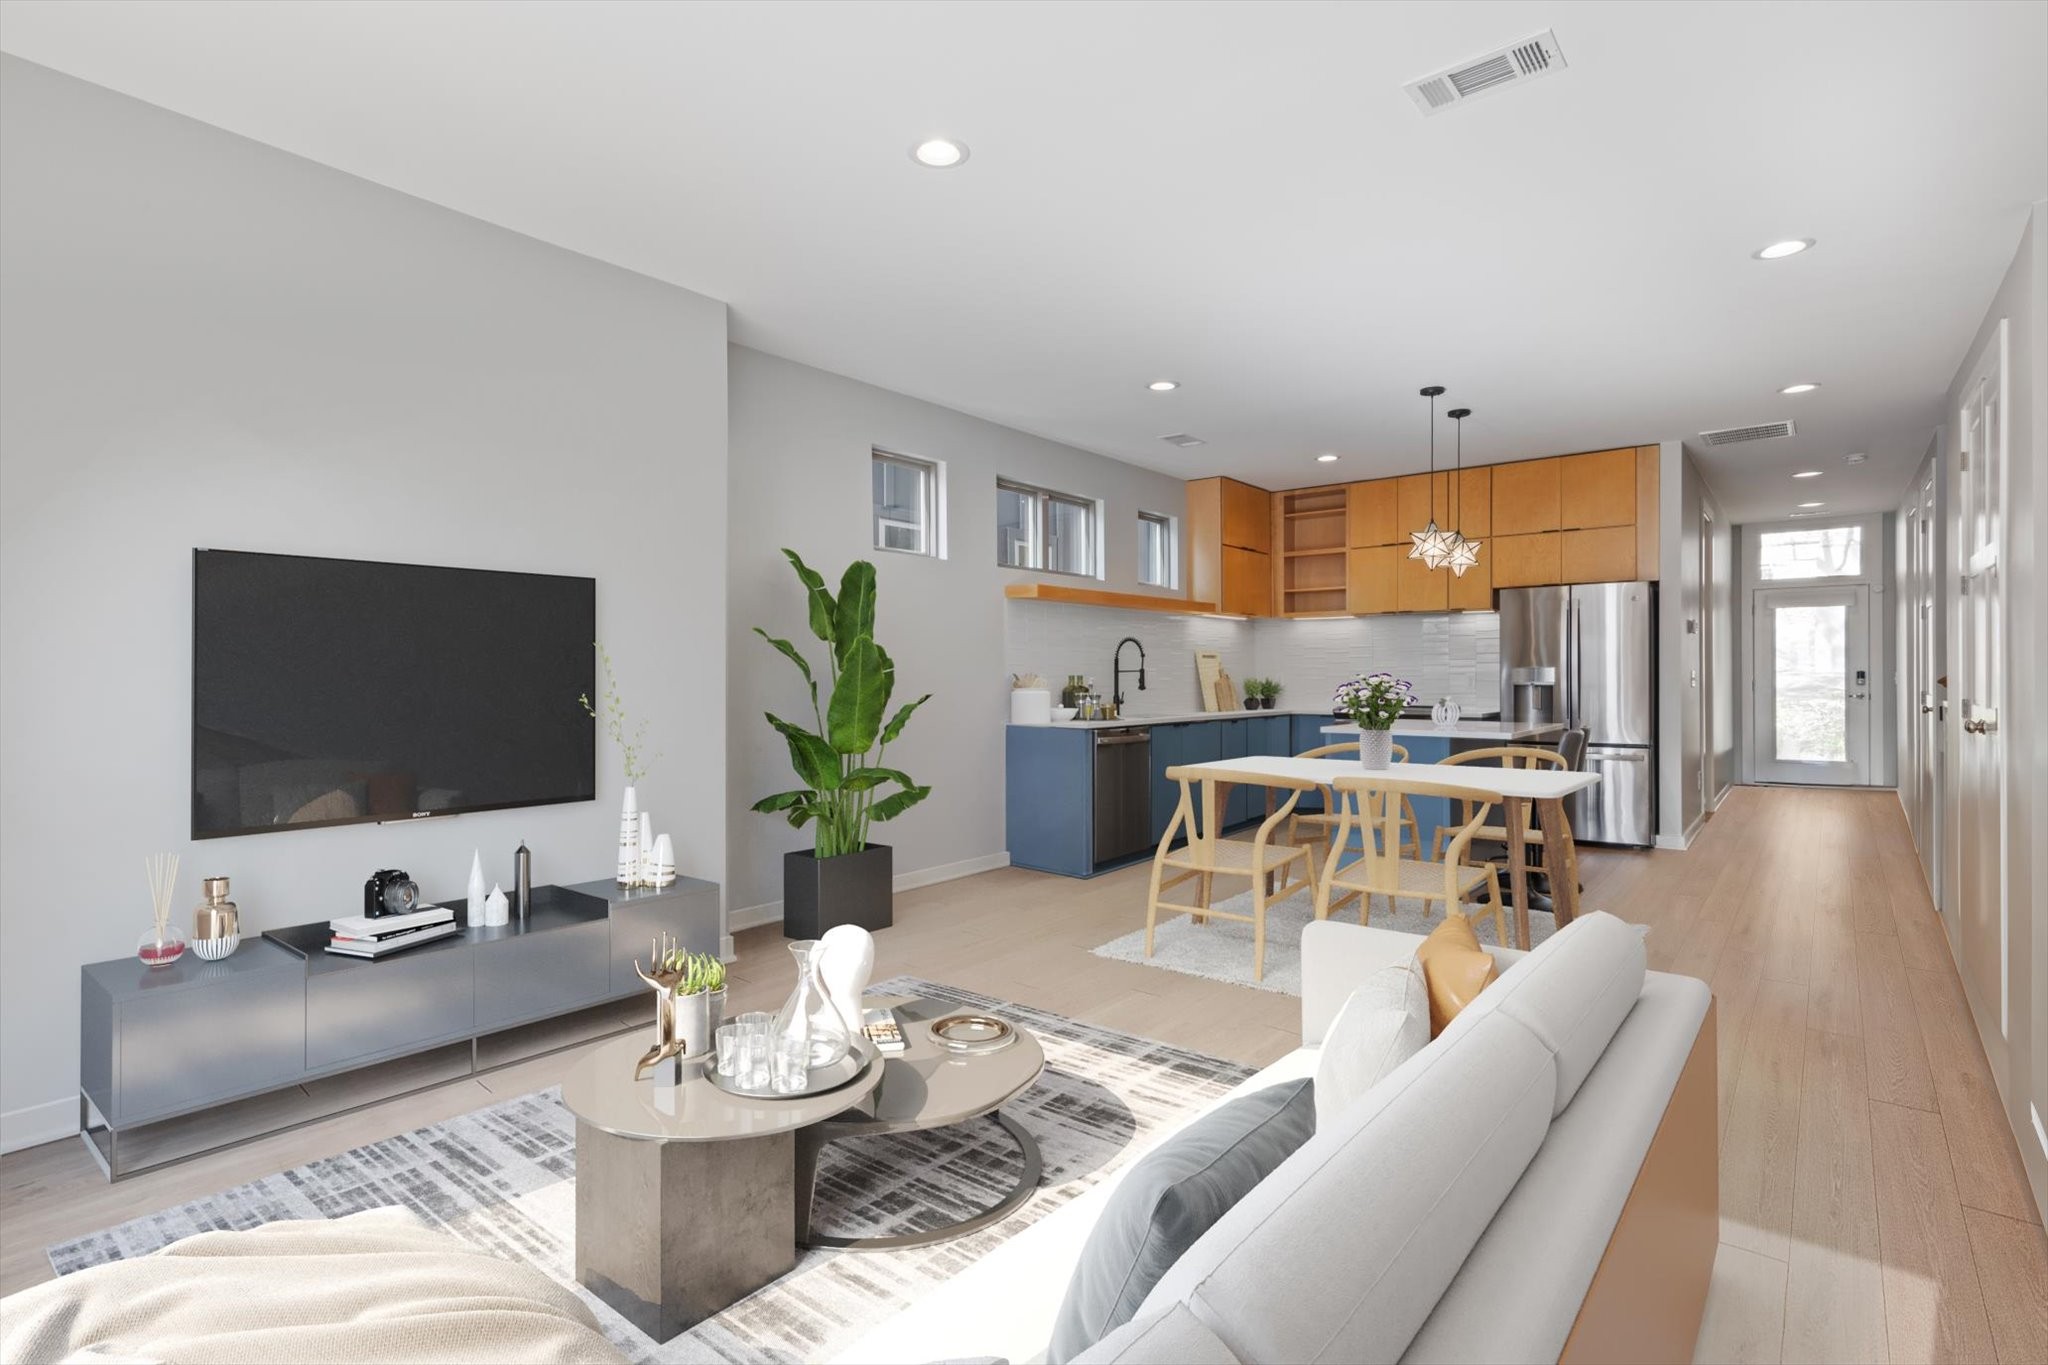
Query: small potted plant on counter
{"x": 842, "y": 879}
{"x": 1373, "y": 702}
{"x": 1269, "y": 693}
{"x": 1251, "y": 693}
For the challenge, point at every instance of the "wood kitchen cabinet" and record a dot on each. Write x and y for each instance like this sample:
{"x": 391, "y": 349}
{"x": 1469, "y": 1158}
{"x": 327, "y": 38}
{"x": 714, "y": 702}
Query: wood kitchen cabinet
{"x": 1601, "y": 554}
{"x": 1525, "y": 561}
{"x": 1472, "y": 505}
{"x": 1229, "y": 546}
{"x": 1598, "y": 489}
{"x": 1247, "y": 584}
{"x": 1526, "y": 498}
{"x": 1373, "y": 574}
{"x": 1474, "y": 591}
{"x": 1422, "y": 498}
{"x": 1374, "y": 512}
{"x": 1417, "y": 587}
{"x": 1247, "y": 516}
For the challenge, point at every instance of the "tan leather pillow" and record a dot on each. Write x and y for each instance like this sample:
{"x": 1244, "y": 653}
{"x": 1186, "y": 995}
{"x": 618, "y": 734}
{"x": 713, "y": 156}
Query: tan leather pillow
{"x": 1454, "y": 967}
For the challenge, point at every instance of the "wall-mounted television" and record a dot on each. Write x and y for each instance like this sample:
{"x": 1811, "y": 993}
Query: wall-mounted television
{"x": 337, "y": 691}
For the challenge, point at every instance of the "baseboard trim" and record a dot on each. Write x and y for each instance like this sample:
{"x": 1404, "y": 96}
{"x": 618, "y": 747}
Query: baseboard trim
{"x": 770, "y": 912}
{"x": 34, "y": 1124}
{"x": 1677, "y": 843}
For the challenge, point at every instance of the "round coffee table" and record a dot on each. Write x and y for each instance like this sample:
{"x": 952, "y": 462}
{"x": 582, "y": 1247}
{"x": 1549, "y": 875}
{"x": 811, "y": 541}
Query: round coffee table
{"x": 685, "y": 1201}
{"x": 928, "y": 1086}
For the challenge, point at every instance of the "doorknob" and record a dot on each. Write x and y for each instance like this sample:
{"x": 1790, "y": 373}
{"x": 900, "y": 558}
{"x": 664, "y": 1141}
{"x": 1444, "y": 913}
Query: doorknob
{"x": 1974, "y": 727}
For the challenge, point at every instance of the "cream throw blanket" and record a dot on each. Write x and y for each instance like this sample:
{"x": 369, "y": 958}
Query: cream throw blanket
{"x": 374, "y": 1286}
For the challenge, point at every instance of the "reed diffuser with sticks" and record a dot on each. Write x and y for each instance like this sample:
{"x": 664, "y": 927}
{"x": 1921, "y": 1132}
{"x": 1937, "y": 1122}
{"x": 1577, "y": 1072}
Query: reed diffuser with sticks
{"x": 161, "y": 944}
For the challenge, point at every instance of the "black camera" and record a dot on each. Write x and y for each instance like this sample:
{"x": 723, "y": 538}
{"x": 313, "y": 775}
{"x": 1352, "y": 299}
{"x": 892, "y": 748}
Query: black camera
{"x": 390, "y": 892}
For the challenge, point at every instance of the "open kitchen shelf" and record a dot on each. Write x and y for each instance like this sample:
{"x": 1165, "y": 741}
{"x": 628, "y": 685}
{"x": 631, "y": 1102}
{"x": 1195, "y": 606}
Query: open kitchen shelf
{"x": 1097, "y": 597}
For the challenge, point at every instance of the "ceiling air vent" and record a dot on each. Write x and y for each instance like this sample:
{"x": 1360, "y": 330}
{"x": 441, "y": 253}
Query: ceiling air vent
{"x": 1735, "y": 436}
{"x": 1517, "y": 64}
{"x": 1182, "y": 439}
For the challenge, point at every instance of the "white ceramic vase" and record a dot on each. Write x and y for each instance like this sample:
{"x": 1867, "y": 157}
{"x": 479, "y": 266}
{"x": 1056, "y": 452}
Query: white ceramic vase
{"x": 1375, "y": 749}
{"x": 846, "y": 959}
{"x": 473, "y": 908}
{"x": 629, "y": 839}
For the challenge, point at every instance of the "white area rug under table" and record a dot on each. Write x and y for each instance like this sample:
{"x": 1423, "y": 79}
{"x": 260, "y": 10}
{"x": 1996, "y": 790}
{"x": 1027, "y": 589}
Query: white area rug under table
{"x": 503, "y": 1178}
{"x": 1221, "y": 950}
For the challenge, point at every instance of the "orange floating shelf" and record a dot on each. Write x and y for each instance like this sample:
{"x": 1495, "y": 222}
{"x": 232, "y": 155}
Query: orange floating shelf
{"x": 1096, "y": 597}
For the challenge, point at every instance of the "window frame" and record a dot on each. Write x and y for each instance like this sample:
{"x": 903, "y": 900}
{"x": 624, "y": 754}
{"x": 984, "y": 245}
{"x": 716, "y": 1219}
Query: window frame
{"x": 1858, "y": 526}
{"x": 1169, "y": 530}
{"x": 932, "y": 528}
{"x": 1043, "y": 500}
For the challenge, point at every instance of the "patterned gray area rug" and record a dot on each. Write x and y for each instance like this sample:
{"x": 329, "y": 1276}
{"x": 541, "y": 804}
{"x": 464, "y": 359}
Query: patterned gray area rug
{"x": 503, "y": 1178}
{"x": 1221, "y": 950}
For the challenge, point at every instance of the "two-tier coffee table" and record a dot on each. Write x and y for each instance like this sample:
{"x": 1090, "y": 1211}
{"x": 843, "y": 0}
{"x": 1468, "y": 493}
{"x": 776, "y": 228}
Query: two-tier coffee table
{"x": 927, "y": 1086}
{"x": 685, "y": 1197}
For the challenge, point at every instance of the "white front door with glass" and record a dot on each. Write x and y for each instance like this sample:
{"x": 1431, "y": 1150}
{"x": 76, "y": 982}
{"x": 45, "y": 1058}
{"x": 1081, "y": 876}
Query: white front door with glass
{"x": 1813, "y": 685}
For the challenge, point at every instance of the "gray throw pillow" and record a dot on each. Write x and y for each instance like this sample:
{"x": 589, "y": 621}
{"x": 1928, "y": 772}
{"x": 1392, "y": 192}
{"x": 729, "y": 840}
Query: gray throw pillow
{"x": 1169, "y": 1199}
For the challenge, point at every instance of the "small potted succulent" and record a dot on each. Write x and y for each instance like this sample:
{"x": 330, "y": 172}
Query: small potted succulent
{"x": 700, "y": 999}
{"x": 1373, "y": 702}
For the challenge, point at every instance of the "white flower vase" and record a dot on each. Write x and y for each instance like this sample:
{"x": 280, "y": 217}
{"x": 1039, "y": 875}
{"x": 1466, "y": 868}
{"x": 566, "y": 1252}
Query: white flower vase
{"x": 846, "y": 959}
{"x": 629, "y": 839}
{"x": 1375, "y": 749}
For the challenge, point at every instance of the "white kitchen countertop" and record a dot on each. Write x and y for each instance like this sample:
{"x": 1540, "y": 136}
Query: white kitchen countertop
{"x": 1507, "y": 731}
{"x": 1503, "y": 731}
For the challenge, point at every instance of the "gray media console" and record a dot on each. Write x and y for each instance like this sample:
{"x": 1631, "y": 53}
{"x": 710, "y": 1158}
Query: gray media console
{"x": 162, "y": 1043}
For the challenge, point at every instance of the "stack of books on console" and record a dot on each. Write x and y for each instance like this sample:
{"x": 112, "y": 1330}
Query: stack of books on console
{"x": 361, "y": 936}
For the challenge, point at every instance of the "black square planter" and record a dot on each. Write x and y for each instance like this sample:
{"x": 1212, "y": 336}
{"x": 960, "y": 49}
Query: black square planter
{"x": 823, "y": 893}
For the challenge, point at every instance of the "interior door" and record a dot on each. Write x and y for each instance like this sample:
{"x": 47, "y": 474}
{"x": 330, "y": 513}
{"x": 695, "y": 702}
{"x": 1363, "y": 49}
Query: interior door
{"x": 1813, "y": 686}
{"x": 1922, "y": 655}
{"x": 1981, "y": 768}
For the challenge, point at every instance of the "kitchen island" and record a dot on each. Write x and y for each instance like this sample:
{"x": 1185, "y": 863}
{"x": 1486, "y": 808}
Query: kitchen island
{"x": 1077, "y": 805}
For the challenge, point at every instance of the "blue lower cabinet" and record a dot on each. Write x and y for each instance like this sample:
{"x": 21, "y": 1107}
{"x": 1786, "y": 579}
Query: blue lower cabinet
{"x": 1308, "y": 734}
{"x": 1167, "y": 744}
{"x": 1430, "y": 811}
{"x": 1049, "y": 805}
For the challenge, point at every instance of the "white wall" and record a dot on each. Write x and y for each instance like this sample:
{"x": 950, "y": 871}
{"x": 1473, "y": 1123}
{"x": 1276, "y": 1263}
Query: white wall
{"x": 208, "y": 342}
{"x": 1691, "y": 612}
{"x": 2019, "y": 1052}
{"x": 801, "y": 442}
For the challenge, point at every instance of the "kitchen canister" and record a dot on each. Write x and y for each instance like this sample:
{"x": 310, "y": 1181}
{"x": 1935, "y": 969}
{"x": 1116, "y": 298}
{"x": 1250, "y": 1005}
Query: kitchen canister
{"x": 1030, "y": 706}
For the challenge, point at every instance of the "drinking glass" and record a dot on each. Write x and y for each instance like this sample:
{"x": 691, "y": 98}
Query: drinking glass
{"x": 791, "y": 1064}
{"x": 731, "y": 1043}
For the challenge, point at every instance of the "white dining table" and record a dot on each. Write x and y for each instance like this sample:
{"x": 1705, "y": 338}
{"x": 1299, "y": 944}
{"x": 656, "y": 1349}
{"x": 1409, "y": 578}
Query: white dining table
{"x": 1516, "y": 789}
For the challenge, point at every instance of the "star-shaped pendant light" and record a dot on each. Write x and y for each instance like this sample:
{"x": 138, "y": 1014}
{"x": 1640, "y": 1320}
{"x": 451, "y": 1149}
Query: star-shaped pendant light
{"x": 1460, "y": 554}
{"x": 1432, "y": 544}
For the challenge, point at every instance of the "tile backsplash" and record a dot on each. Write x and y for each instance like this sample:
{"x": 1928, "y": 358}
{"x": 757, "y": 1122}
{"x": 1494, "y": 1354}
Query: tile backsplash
{"x": 1456, "y": 655}
{"x": 1055, "y": 639}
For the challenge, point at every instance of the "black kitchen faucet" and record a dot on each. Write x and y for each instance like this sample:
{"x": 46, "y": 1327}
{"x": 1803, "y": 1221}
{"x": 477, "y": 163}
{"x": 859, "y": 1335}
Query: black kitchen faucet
{"x": 1117, "y": 669}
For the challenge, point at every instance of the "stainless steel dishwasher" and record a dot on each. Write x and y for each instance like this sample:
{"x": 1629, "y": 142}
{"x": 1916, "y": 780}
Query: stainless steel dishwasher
{"x": 1123, "y": 793}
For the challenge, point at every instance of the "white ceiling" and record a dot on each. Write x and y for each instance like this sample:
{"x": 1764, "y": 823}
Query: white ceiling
{"x": 1237, "y": 196}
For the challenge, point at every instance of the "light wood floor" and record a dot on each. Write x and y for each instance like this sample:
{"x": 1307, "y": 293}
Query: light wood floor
{"x": 1873, "y": 1205}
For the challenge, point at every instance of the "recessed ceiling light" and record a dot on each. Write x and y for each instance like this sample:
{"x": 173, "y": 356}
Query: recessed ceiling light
{"x": 1326, "y": 459}
{"x": 1807, "y": 474}
{"x": 1778, "y": 251}
{"x": 1813, "y": 504}
{"x": 939, "y": 153}
{"x": 1858, "y": 458}
{"x": 1163, "y": 385}
{"x": 1799, "y": 388}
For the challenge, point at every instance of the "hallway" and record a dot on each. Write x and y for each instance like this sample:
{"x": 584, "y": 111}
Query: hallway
{"x": 1872, "y": 1201}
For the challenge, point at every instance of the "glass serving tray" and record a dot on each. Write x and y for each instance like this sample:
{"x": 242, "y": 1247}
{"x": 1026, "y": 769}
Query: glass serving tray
{"x": 823, "y": 1079}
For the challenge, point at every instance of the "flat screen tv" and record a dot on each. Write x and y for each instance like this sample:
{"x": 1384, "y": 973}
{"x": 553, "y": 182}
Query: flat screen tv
{"x": 336, "y": 691}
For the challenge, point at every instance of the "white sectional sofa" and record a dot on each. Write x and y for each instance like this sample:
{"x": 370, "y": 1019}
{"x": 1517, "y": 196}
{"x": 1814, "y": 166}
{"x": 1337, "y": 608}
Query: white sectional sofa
{"x": 1539, "y": 1183}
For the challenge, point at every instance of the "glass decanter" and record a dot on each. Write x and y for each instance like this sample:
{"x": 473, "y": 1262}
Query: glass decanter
{"x": 808, "y": 1015}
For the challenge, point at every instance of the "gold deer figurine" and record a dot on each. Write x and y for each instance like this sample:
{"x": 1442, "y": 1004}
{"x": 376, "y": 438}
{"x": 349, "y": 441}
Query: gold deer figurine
{"x": 668, "y": 970}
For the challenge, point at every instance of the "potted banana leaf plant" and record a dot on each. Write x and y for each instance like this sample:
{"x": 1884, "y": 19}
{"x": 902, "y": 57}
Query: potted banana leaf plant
{"x": 841, "y": 761}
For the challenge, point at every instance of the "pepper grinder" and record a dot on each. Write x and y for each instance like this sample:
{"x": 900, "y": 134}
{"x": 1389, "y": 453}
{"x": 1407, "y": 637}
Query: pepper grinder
{"x": 522, "y": 876}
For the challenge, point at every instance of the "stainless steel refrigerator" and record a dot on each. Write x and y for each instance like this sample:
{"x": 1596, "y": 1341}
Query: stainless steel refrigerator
{"x": 1586, "y": 657}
